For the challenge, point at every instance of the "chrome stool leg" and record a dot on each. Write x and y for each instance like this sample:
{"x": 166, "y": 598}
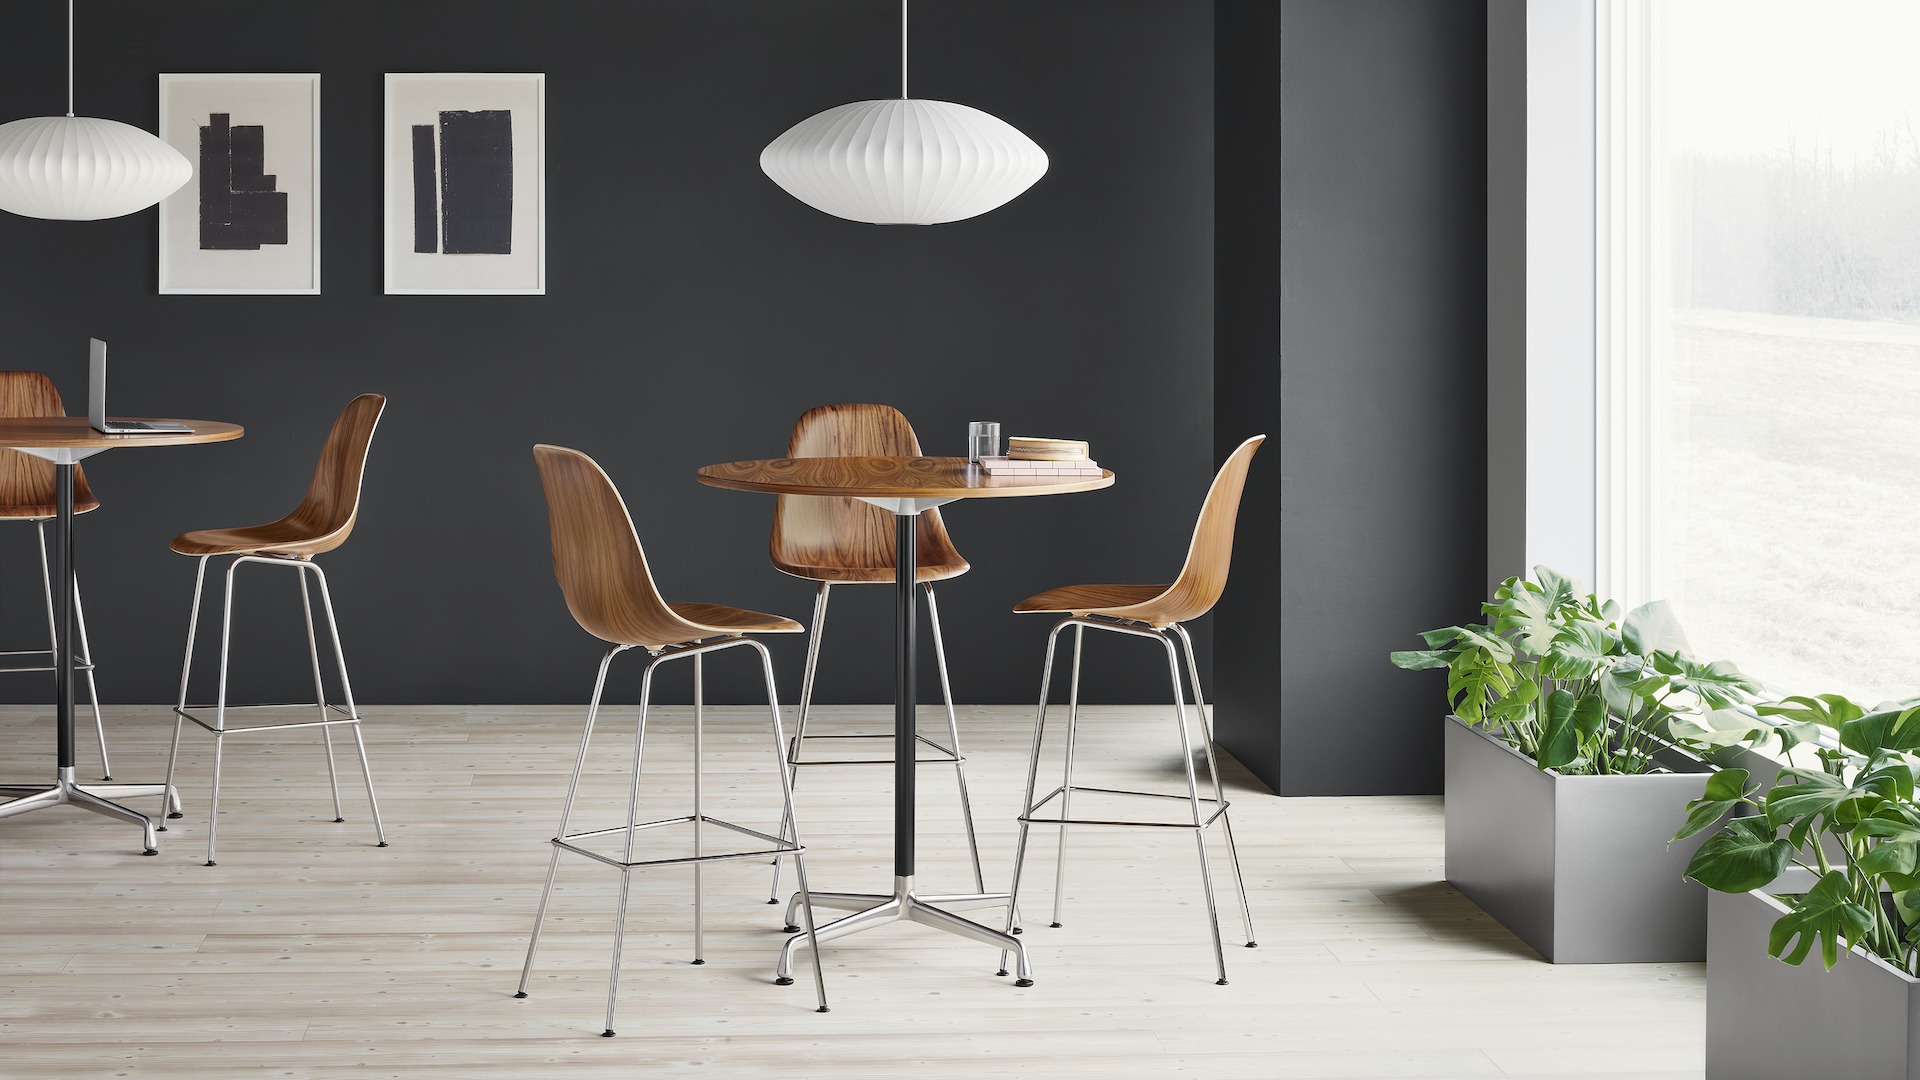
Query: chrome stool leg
{"x": 1033, "y": 779}
{"x": 790, "y": 760}
{"x": 186, "y": 669}
{"x": 1066, "y": 786}
{"x": 1219, "y": 792}
{"x": 1193, "y": 799}
{"x": 566, "y": 812}
{"x": 799, "y": 859}
{"x": 220, "y": 711}
{"x": 699, "y": 809}
{"x": 953, "y": 737}
{"x": 346, "y": 691}
{"x": 320, "y": 696}
{"x": 626, "y": 858}
{"x": 85, "y": 658}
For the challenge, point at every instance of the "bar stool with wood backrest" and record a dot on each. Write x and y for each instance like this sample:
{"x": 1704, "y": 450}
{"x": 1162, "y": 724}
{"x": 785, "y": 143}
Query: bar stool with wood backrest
{"x": 1157, "y": 612}
{"x": 27, "y": 494}
{"x": 322, "y": 522}
{"x": 839, "y": 541}
{"x": 609, "y": 588}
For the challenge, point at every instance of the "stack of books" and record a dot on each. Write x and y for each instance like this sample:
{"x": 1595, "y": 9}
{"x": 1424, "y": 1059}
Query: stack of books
{"x": 1028, "y": 456}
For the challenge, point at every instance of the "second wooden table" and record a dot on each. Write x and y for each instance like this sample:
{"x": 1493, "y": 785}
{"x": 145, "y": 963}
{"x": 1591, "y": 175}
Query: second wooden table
{"x": 904, "y": 487}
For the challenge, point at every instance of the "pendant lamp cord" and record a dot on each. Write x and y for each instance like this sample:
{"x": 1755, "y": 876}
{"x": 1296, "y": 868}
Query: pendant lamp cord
{"x": 903, "y": 53}
{"x": 70, "y": 56}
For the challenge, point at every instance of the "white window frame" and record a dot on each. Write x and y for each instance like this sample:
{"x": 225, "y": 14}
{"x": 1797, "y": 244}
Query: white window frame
{"x": 1631, "y": 289}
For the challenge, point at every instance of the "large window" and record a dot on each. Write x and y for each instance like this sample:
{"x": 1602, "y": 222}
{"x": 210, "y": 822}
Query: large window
{"x": 1760, "y": 314}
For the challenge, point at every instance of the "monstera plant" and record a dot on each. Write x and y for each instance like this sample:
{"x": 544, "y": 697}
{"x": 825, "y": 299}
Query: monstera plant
{"x": 1849, "y": 816}
{"x": 1566, "y": 680}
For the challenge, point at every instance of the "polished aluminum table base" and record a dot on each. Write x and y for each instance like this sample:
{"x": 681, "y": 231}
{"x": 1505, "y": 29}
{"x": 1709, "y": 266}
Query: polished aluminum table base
{"x": 66, "y": 792}
{"x": 877, "y": 909}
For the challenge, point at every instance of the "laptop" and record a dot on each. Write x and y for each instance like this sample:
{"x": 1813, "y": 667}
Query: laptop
{"x": 97, "y": 401}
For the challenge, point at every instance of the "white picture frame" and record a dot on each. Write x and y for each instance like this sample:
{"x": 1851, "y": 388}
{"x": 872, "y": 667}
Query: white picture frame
{"x": 448, "y": 228}
{"x": 248, "y": 243}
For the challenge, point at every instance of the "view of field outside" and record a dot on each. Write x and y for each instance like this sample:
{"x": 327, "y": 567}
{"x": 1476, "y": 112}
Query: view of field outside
{"x": 1787, "y": 426}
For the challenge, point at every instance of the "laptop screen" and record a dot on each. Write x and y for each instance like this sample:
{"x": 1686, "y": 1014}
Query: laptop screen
{"x": 97, "y": 383}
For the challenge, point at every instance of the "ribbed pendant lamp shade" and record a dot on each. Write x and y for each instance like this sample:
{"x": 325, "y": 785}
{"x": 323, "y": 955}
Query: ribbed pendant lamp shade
{"x": 903, "y": 161}
{"x": 79, "y": 168}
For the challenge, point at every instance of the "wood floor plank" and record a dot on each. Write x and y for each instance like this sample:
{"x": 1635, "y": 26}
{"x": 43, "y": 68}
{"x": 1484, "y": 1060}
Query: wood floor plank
{"x": 309, "y": 952}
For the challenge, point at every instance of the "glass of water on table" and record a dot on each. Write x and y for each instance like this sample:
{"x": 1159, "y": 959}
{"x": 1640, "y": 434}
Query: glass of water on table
{"x": 983, "y": 440}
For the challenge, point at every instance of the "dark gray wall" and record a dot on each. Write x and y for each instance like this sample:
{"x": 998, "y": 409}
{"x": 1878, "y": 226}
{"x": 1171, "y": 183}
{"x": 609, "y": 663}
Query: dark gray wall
{"x": 1383, "y": 377}
{"x": 1246, "y": 349}
{"x": 1506, "y": 290}
{"x": 694, "y": 311}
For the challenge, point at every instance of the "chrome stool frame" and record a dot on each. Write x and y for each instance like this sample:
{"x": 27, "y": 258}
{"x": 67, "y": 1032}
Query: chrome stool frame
{"x": 1204, "y": 812}
{"x": 946, "y": 755}
{"x": 781, "y": 846}
{"x": 348, "y": 716}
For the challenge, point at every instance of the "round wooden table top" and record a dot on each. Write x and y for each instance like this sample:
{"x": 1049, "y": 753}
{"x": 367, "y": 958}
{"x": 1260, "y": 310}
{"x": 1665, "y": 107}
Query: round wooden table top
{"x": 889, "y": 478}
{"x": 77, "y": 433}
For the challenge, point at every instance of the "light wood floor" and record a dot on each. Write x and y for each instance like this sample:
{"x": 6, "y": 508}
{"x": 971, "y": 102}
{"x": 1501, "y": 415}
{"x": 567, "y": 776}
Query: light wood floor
{"x": 308, "y": 952}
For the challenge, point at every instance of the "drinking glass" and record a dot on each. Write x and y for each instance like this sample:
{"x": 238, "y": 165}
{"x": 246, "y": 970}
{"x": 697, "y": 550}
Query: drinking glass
{"x": 983, "y": 440}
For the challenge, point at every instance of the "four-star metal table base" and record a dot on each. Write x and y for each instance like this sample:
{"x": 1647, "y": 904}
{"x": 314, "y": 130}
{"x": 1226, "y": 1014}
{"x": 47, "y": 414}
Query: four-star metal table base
{"x": 903, "y": 905}
{"x": 64, "y": 791}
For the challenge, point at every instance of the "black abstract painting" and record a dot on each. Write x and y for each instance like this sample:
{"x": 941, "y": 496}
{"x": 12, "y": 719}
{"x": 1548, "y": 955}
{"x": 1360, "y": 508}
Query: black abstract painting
{"x": 239, "y": 208}
{"x": 426, "y": 207}
{"x": 463, "y": 183}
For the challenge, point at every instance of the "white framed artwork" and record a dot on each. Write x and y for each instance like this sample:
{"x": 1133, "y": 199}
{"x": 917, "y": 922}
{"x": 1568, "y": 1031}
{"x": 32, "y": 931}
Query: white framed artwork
{"x": 249, "y": 219}
{"x": 466, "y": 183}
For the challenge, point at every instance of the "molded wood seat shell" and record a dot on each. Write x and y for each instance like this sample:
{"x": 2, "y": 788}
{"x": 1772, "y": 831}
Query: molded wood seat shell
{"x": 603, "y": 571}
{"x": 324, "y": 519}
{"x": 837, "y": 539}
{"x": 1201, "y": 580}
{"x": 27, "y": 482}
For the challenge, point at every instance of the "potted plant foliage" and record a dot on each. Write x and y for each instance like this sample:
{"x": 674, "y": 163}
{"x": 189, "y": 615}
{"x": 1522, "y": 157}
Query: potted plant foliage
{"x": 1828, "y": 856}
{"x": 1567, "y": 758}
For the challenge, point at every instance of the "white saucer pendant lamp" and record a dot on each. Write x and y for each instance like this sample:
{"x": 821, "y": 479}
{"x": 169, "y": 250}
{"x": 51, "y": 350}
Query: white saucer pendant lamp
{"x": 80, "y": 168}
{"x": 903, "y": 161}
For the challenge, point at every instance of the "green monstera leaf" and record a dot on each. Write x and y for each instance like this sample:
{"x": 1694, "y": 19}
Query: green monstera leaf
{"x": 1721, "y": 727}
{"x": 1719, "y": 684}
{"x": 1818, "y": 801}
{"x": 1421, "y": 659}
{"x": 1560, "y": 588}
{"x": 1889, "y": 729}
{"x": 1527, "y": 614}
{"x": 1744, "y": 856}
{"x": 1475, "y": 681}
{"x": 1725, "y": 790}
{"x": 1653, "y": 628}
{"x": 1580, "y": 650}
{"x": 1571, "y": 722}
{"x": 1827, "y": 913}
{"x": 1826, "y": 710}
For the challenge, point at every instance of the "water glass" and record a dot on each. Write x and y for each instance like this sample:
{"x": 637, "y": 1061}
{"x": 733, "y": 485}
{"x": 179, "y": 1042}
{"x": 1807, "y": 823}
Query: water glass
{"x": 983, "y": 440}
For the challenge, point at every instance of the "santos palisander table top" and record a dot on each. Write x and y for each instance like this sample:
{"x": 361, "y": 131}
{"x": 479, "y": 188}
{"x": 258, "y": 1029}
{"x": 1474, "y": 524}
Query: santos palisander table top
{"x": 889, "y": 478}
{"x": 77, "y": 433}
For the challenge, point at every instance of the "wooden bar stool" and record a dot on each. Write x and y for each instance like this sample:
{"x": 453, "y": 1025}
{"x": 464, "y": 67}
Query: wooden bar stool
{"x": 1157, "y": 612}
{"x": 321, "y": 523}
{"x": 840, "y": 541}
{"x": 603, "y": 573}
{"x": 27, "y": 494}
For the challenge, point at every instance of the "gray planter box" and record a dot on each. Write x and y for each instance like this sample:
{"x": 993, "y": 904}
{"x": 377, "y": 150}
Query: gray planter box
{"x": 1860, "y": 1021}
{"x": 1576, "y": 866}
